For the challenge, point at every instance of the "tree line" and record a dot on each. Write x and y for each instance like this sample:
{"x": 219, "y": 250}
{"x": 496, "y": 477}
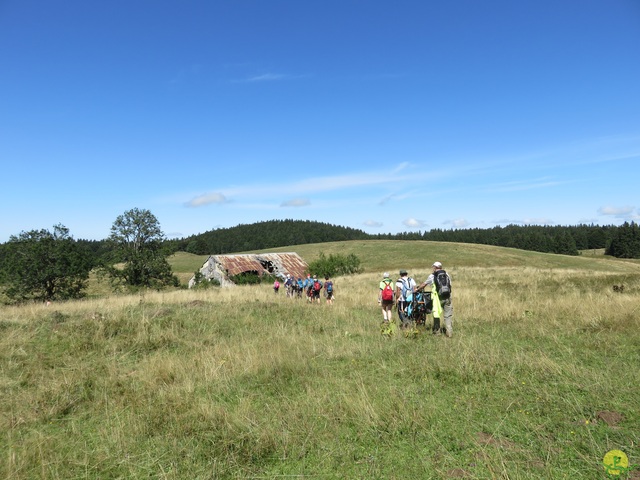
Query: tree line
{"x": 566, "y": 240}
{"x": 45, "y": 265}
{"x": 263, "y": 235}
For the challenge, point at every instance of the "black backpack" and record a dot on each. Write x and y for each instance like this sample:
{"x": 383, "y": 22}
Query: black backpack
{"x": 443, "y": 284}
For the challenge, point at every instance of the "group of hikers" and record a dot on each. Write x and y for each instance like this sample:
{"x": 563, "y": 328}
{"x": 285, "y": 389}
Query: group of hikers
{"x": 403, "y": 292}
{"x": 414, "y": 301}
{"x": 311, "y": 287}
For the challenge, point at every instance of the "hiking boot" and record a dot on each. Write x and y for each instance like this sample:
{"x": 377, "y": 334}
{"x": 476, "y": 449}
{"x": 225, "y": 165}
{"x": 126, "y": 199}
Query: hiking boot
{"x": 449, "y": 334}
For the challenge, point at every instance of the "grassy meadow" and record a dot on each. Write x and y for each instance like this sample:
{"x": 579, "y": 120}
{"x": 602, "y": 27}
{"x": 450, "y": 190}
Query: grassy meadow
{"x": 539, "y": 381}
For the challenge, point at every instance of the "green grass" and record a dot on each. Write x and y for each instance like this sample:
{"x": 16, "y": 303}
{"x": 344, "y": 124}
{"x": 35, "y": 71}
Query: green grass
{"x": 391, "y": 255}
{"x": 241, "y": 383}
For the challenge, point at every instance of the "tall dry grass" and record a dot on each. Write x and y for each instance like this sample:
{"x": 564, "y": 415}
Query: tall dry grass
{"x": 243, "y": 383}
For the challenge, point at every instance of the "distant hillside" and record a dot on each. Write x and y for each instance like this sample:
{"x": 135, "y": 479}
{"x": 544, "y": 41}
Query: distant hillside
{"x": 548, "y": 239}
{"x": 269, "y": 234}
{"x": 378, "y": 256}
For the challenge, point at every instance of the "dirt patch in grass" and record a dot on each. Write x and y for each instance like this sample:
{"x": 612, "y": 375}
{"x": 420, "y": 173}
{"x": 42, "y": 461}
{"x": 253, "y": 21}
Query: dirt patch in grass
{"x": 610, "y": 418}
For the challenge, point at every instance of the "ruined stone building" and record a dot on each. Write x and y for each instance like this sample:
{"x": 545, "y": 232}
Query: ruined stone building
{"x": 222, "y": 267}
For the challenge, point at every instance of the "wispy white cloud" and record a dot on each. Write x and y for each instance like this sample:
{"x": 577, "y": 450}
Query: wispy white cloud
{"x": 309, "y": 186}
{"x": 398, "y": 196}
{"x": 616, "y": 211}
{"x": 372, "y": 223}
{"x": 414, "y": 223}
{"x": 521, "y": 185}
{"x": 386, "y": 199}
{"x": 270, "y": 77}
{"x": 538, "y": 221}
{"x": 296, "y": 202}
{"x": 401, "y": 166}
{"x": 524, "y": 221}
{"x": 457, "y": 223}
{"x": 207, "y": 199}
{"x": 266, "y": 77}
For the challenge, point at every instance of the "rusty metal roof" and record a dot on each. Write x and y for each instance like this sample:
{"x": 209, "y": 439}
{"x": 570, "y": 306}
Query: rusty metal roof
{"x": 264, "y": 263}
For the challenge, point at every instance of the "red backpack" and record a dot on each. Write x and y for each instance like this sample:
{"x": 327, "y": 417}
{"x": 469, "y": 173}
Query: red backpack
{"x": 387, "y": 292}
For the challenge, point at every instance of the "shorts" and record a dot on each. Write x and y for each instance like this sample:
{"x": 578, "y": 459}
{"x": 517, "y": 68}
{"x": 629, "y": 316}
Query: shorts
{"x": 387, "y": 303}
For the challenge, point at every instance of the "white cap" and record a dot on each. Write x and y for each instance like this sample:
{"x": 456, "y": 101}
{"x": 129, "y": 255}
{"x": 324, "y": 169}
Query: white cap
{"x": 385, "y": 274}
{"x": 437, "y": 265}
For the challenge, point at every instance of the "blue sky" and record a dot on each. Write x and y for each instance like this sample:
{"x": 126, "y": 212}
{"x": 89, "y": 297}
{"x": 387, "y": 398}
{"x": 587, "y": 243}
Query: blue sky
{"x": 378, "y": 115}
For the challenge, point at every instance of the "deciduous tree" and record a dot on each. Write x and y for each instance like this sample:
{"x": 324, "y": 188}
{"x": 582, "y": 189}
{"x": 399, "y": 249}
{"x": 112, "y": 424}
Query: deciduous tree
{"x": 137, "y": 240}
{"x": 43, "y": 265}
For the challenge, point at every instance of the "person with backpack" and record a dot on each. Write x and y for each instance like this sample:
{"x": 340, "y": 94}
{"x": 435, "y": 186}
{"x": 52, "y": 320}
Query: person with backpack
{"x": 308, "y": 287}
{"x": 276, "y": 286}
{"x": 440, "y": 284}
{"x": 404, "y": 290}
{"x": 386, "y": 297}
{"x": 316, "y": 287}
{"x": 328, "y": 290}
{"x": 288, "y": 285}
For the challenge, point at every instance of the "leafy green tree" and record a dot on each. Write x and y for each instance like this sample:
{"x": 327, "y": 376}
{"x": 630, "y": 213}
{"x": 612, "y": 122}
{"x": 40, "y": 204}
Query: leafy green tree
{"x": 137, "y": 241}
{"x": 335, "y": 264}
{"x": 43, "y": 265}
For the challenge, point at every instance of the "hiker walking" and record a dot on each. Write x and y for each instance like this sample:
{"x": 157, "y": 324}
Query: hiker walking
{"x": 316, "y": 288}
{"x": 276, "y": 286}
{"x": 386, "y": 297}
{"x": 440, "y": 284}
{"x": 299, "y": 287}
{"x": 328, "y": 290}
{"x": 404, "y": 288}
{"x": 288, "y": 285}
{"x": 308, "y": 287}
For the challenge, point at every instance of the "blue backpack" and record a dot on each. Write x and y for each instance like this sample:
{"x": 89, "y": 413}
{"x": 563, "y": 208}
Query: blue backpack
{"x": 407, "y": 289}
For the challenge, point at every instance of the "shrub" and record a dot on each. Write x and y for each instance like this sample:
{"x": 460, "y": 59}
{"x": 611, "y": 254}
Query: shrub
{"x": 336, "y": 264}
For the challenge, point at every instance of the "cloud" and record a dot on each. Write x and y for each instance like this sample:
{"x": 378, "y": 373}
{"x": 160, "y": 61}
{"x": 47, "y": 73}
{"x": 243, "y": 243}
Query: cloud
{"x": 401, "y": 167}
{"x": 616, "y": 211}
{"x": 207, "y": 199}
{"x": 414, "y": 223}
{"x": 326, "y": 184}
{"x": 521, "y": 185}
{"x": 296, "y": 202}
{"x": 267, "y": 77}
{"x": 524, "y": 221}
{"x": 457, "y": 223}
{"x": 386, "y": 199}
{"x": 372, "y": 223}
{"x": 538, "y": 221}
{"x": 270, "y": 77}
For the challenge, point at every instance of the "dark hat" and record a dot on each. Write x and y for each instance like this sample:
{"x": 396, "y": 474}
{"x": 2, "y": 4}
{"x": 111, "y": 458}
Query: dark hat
{"x": 403, "y": 272}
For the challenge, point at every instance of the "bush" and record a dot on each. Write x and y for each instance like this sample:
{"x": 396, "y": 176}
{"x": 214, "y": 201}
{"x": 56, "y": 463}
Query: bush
{"x": 335, "y": 264}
